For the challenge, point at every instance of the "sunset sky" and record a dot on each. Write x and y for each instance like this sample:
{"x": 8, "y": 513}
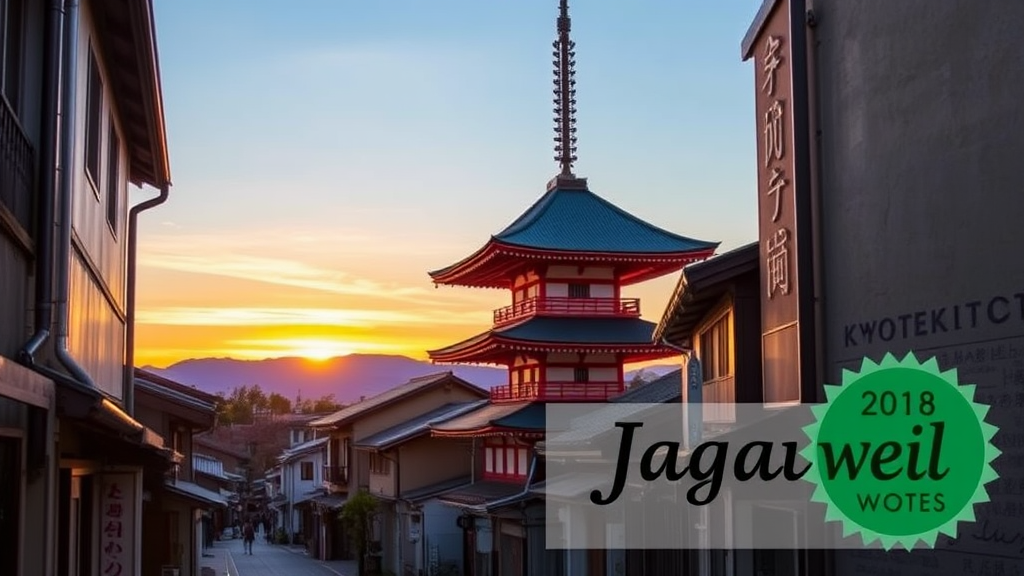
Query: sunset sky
{"x": 324, "y": 158}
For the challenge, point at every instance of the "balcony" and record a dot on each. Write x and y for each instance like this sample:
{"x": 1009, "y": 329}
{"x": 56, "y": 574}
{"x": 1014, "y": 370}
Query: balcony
{"x": 17, "y": 161}
{"x": 557, "y": 391}
{"x": 563, "y": 306}
{"x": 335, "y": 476}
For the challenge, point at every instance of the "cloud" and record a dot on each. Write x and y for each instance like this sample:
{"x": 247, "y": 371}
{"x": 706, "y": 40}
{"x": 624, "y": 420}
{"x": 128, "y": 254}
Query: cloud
{"x": 255, "y": 316}
{"x": 302, "y": 260}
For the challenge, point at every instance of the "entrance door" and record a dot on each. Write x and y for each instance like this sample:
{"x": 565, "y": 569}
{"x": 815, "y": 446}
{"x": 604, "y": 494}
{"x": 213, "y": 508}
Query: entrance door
{"x": 778, "y": 562}
{"x": 512, "y": 548}
{"x": 10, "y": 498}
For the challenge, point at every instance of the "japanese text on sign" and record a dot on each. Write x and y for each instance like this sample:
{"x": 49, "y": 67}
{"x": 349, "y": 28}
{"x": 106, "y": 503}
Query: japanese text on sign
{"x": 777, "y": 253}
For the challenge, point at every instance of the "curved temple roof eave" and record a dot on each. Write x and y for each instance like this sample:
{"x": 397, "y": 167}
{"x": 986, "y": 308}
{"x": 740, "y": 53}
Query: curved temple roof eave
{"x": 467, "y": 271}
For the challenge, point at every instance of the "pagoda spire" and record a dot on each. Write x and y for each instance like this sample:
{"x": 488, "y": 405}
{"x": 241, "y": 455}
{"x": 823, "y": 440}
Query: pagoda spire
{"x": 565, "y": 102}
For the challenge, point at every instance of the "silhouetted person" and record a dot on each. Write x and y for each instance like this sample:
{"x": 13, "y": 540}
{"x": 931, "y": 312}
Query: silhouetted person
{"x": 248, "y": 535}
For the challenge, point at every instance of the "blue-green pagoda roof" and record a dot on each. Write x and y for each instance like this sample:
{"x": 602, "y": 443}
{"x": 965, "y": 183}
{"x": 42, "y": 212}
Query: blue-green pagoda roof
{"x": 572, "y": 224}
{"x": 568, "y": 220}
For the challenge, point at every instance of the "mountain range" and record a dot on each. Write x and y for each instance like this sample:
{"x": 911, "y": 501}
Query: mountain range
{"x": 348, "y": 378}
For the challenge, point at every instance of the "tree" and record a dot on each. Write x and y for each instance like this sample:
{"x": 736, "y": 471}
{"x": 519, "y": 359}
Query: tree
{"x": 357, "y": 514}
{"x": 279, "y": 404}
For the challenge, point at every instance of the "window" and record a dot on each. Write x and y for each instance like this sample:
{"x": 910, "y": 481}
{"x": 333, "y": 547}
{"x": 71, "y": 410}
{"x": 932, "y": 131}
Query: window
{"x": 93, "y": 111}
{"x": 581, "y": 375}
{"x": 113, "y": 177}
{"x": 714, "y": 350}
{"x": 306, "y": 470}
{"x": 505, "y": 458}
{"x": 11, "y": 27}
{"x": 579, "y": 290}
{"x": 379, "y": 465}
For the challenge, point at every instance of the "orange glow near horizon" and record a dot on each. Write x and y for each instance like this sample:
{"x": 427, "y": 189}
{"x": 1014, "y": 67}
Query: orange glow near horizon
{"x": 277, "y": 294}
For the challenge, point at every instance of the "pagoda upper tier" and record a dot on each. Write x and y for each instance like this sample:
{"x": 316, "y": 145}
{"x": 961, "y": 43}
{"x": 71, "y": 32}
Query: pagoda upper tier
{"x": 572, "y": 225}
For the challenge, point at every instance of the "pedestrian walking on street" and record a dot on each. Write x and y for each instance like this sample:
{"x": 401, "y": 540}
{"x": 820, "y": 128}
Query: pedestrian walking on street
{"x": 248, "y": 535}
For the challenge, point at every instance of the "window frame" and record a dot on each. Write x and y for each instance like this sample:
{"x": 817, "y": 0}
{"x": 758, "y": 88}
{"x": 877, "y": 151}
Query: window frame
{"x": 93, "y": 148}
{"x": 303, "y": 468}
{"x": 113, "y": 184}
{"x": 715, "y": 342}
{"x": 12, "y": 54}
{"x": 578, "y": 291}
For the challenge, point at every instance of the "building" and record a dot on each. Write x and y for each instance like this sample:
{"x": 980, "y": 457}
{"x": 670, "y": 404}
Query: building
{"x": 301, "y": 469}
{"x": 348, "y": 470}
{"x": 565, "y": 336}
{"x": 234, "y": 460}
{"x": 899, "y": 225}
{"x": 81, "y": 121}
{"x": 208, "y": 472}
{"x": 408, "y": 468}
{"x": 179, "y": 512}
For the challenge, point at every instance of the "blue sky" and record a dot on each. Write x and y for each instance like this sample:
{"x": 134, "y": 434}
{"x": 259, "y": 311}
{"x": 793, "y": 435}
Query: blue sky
{"x": 356, "y": 145}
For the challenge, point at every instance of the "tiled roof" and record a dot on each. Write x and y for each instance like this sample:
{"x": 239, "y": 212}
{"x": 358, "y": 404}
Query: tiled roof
{"x": 568, "y": 332}
{"x": 699, "y": 287}
{"x": 384, "y": 398}
{"x": 581, "y": 221}
{"x": 665, "y": 389}
{"x": 174, "y": 391}
{"x": 482, "y": 417}
{"x": 302, "y": 449}
{"x": 417, "y": 426}
{"x": 481, "y": 493}
{"x": 582, "y": 330}
{"x": 196, "y": 492}
{"x": 427, "y": 492}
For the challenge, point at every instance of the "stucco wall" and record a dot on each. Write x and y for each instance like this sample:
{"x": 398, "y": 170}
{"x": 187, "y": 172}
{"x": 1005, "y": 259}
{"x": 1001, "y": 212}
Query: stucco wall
{"x": 922, "y": 135}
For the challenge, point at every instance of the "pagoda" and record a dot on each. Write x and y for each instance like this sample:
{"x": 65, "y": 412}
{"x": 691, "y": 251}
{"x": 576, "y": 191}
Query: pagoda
{"x": 567, "y": 331}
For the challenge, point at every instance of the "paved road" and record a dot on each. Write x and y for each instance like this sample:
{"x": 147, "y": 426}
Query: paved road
{"x": 229, "y": 559}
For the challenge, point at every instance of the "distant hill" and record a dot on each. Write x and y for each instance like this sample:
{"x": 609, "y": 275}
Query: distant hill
{"x": 347, "y": 377}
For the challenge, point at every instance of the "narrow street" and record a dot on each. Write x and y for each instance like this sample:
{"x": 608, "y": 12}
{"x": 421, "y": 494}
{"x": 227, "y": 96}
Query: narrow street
{"x": 227, "y": 558}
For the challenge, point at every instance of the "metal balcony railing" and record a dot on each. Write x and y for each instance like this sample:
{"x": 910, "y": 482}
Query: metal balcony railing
{"x": 17, "y": 161}
{"x": 337, "y": 475}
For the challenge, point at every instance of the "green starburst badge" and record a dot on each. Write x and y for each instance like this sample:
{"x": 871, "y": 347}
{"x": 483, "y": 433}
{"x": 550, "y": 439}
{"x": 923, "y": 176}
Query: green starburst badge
{"x": 900, "y": 452}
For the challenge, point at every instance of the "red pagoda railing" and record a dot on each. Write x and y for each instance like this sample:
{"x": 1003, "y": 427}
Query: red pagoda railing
{"x": 568, "y": 307}
{"x": 558, "y": 391}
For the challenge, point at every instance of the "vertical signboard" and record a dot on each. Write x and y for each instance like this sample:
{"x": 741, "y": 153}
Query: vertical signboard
{"x": 694, "y": 401}
{"x": 775, "y": 43}
{"x": 118, "y": 526}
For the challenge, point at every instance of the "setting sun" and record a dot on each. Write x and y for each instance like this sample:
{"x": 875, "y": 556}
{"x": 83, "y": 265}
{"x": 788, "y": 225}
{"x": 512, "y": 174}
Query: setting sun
{"x": 318, "y": 349}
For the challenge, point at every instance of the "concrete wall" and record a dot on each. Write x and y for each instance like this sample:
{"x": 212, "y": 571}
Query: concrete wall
{"x": 922, "y": 135}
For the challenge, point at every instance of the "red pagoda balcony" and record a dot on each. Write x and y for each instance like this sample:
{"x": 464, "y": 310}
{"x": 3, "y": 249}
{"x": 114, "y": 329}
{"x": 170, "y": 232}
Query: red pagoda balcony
{"x": 564, "y": 306}
{"x": 557, "y": 392}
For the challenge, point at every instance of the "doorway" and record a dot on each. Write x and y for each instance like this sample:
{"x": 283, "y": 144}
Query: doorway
{"x": 10, "y": 503}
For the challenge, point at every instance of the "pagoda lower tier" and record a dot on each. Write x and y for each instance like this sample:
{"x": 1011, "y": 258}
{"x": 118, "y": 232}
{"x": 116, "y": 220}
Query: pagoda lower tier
{"x": 560, "y": 359}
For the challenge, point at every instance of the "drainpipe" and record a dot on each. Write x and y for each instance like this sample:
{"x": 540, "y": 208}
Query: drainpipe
{"x": 66, "y": 191}
{"x": 47, "y": 186}
{"x": 129, "y": 335}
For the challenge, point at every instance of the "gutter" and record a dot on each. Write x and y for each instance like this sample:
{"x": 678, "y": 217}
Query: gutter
{"x": 129, "y": 335}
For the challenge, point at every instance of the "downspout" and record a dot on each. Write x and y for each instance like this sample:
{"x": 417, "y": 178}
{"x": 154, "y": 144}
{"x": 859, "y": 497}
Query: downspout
{"x": 129, "y": 334}
{"x": 66, "y": 190}
{"x": 47, "y": 186}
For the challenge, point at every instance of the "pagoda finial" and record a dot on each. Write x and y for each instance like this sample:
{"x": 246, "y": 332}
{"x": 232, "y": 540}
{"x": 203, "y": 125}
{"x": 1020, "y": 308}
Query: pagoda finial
{"x": 565, "y": 94}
